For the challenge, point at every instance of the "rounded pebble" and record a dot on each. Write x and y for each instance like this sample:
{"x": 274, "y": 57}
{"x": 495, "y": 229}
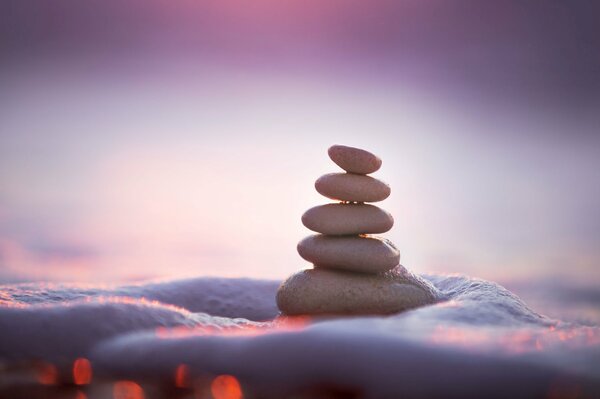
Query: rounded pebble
{"x": 352, "y": 253}
{"x": 354, "y": 160}
{"x": 347, "y": 219}
{"x": 351, "y": 187}
{"x": 336, "y": 292}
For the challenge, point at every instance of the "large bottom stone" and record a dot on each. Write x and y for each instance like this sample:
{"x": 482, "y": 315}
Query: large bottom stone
{"x": 336, "y": 292}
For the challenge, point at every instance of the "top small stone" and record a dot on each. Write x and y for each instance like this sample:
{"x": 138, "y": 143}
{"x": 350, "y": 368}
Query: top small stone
{"x": 354, "y": 160}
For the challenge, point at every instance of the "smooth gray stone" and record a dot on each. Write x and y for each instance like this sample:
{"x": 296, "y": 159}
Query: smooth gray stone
{"x": 353, "y": 253}
{"x": 351, "y": 187}
{"x": 336, "y": 292}
{"x": 347, "y": 219}
{"x": 354, "y": 160}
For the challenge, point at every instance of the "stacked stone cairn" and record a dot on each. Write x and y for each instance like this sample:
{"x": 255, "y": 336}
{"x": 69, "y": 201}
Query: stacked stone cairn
{"x": 354, "y": 273}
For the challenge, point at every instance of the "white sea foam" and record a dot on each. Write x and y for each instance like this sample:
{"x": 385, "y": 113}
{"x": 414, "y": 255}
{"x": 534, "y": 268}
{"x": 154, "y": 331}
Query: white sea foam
{"x": 479, "y": 338}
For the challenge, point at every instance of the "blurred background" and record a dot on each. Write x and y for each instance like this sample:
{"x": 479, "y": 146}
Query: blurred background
{"x": 165, "y": 139}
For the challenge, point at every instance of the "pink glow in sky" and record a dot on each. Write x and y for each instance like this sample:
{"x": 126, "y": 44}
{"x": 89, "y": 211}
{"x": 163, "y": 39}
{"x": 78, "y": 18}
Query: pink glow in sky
{"x": 186, "y": 139}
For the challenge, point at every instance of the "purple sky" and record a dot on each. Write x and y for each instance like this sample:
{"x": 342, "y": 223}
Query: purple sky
{"x": 165, "y": 139}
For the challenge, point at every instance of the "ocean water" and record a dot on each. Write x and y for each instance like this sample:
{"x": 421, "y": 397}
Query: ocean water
{"x": 479, "y": 339}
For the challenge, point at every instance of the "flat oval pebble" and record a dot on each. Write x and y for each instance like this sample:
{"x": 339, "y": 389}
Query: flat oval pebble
{"x": 336, "y": 292}
{"x": 354, "y": 160}
{"x": 351, "y": 187}
{"x": 352, "y": 253}
{"x": 347, "y": 219}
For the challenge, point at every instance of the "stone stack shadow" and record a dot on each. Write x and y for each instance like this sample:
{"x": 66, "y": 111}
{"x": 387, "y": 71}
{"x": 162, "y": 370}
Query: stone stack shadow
{"x": 354, "y": 272}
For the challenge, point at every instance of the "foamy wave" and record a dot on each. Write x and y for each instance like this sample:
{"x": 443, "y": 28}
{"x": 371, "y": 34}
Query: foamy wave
{"x": 480, "y": 338}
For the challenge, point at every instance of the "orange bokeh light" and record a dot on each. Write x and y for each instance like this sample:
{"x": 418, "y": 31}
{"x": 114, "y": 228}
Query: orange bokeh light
{"x": 127, "y": 390}
{"x": 226, "y": 387}
{"x": 82, "y": 371}
{"x": 182, "y": 376}
{"x": 47, "y": 374}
